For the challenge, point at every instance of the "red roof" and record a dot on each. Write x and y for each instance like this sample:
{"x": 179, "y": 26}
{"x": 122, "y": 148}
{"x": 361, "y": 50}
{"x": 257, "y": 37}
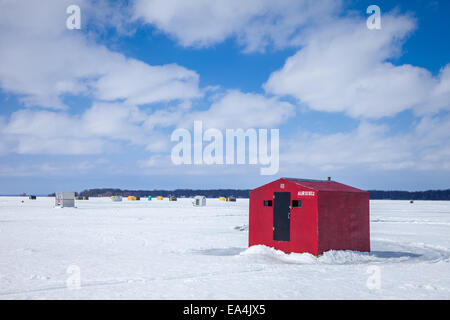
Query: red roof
{"x": 324, "y": 185}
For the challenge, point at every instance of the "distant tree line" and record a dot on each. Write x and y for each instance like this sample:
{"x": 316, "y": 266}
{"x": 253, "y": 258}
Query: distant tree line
{"x": 215, "y": 193}
{"x": 407, "y": 195}
{"x": 179, "y": 193}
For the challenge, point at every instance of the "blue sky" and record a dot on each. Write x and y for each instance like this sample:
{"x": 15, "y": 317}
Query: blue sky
{"x": 96, "y": 107}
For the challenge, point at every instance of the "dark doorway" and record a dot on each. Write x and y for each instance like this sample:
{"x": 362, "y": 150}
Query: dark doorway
{"x": 281, "y": 216}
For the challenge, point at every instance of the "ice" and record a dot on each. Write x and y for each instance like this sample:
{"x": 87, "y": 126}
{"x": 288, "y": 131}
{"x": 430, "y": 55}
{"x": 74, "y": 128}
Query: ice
{"x": 172, "y": 250}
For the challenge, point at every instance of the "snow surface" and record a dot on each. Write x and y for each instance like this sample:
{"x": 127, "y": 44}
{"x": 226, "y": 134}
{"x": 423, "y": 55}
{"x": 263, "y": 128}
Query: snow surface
{"x": 172, "y": 250}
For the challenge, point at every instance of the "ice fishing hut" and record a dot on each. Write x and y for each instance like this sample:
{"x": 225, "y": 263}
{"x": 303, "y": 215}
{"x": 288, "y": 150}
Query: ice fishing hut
{"x": 314, "y": 216}
{"x": 65, "y": 199}
{"x": 149, "y": 198}
{"x": 199, "y": 201}
{"x": 116, "y": 198}
{"x": 172, "y": 198}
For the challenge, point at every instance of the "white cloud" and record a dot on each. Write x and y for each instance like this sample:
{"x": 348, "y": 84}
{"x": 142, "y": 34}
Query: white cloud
{"x": 106, "y": 127}
{"x": 255, "y": 23}
{"x": 156, "y": 161}
{"x": 345, "y": 68}
{"x": 439, "y": 95}
{"x": 139, "y": 83}
{"x": 368, "y": 145}
{"x": 53, "y": 168}
{"x": 373, "y": 147}
{"x": 4, "y": 144}
{"x": 41, "y": 60}
{"x": 114, "y": 121}
{"x": 43, "y": 132}
{"x": 232, "y": 109}
{"x": 236, "y": 109}
{"x": 165, "y": 118}
{"x": 97, "y": 130}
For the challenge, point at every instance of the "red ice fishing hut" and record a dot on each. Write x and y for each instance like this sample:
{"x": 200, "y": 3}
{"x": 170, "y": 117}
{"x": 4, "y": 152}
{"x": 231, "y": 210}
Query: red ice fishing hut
{"x": 300, "y": 215}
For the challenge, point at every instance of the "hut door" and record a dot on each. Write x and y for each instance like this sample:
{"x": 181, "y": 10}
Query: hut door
{"x": 281, "y": 216}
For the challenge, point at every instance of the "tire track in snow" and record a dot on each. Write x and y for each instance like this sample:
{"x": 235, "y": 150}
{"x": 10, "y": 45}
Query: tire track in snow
{"x": 105, "y": 283}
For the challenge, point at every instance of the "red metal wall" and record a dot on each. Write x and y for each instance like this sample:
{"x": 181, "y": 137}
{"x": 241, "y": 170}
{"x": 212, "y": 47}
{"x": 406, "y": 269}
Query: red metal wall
{"x": 304, "y": 223}
{"x": 344, "y": 221}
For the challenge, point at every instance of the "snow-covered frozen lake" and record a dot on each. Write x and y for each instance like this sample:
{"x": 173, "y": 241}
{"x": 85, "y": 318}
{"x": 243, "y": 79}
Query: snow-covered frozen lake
{"x": 171, "y": 250}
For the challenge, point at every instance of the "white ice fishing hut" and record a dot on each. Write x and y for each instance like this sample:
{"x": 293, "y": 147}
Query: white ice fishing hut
{"x": 65, "y": 199}
{"x": 116, "y": 198}
{"x": 199, "y": 201}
